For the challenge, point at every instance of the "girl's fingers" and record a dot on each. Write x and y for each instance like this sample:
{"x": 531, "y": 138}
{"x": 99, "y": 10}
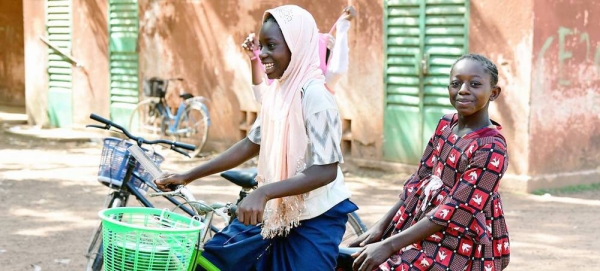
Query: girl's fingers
{"x": 358, "y": 261}
{"x": 241, "y": 217}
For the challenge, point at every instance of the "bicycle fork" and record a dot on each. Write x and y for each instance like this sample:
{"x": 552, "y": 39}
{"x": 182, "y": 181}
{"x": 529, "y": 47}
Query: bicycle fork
{"x": 197, "y": 257}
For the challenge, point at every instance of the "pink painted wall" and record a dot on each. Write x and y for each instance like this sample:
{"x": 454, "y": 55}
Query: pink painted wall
{"x": 565, "y": 93}
{"x": 90, "y": 47}
{"x": 548, "y": 55}
{"x": 36, "y": 59}
{"x": 507, "y": 41}
{"x": 200, "y": 41}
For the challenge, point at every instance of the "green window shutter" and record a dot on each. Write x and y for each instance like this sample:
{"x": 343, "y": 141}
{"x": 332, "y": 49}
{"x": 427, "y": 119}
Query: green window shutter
{"x": 402, "y": 80}
{"x": 123, "y": 23}
{"x": 58, "y": 32}
{"x": 445, "y": 40}
{"x": 422, "y": 40}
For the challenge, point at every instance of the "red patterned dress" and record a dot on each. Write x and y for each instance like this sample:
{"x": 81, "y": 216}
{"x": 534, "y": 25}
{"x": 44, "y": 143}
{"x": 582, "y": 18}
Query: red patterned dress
{"x": 456, "y": 186}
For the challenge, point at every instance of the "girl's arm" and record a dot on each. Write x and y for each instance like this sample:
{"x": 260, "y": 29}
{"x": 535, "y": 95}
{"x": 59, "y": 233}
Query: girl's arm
{"x": 417, "y": 232}
{"x": 338, "y": 64}
{"x": 252, "y": 208}
{"x": 310, "y": 179}
{"x": 234, "y": 156}
{"x": 376, "y": 232}
{"x": 375, "y": 254}
{"x": 258, "y": 72}
{"x": 251, "y": 46}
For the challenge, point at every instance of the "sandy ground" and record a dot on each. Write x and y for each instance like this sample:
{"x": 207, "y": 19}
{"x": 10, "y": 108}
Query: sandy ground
{"x": 50, "y": 199}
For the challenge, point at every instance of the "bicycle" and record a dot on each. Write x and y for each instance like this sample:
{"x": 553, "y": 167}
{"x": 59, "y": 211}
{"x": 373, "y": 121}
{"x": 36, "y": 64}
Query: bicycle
{"x": 207, "y": 210}
{"x": 134, "y": 179}
{"x": 153, "y": 116}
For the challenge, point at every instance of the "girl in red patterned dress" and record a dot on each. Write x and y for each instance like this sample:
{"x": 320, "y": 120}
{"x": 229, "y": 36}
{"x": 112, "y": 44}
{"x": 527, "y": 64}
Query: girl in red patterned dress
{"x": 450, "y": 216}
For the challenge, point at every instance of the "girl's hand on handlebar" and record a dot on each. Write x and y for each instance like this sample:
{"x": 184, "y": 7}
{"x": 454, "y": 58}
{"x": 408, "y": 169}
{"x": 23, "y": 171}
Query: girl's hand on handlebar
{"x": 168, "y": 181}
{"x": 250, "y": 210}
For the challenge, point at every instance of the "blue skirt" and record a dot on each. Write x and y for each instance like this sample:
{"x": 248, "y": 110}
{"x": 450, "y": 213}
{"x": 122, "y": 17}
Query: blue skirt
{"x": 311, "y": 246}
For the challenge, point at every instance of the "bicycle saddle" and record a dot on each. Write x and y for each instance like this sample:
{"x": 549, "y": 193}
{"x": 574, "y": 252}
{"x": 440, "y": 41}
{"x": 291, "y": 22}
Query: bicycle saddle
{"x": 186, "y": 96}
{"x": 241, "y": 177}
{"x": 345, "y": 260}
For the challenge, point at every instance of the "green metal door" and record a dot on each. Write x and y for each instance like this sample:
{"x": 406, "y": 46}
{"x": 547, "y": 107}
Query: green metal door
{"x": 58, "y": 32}
{"x": 422, "y": 40}
{"x": 123, "y": 24}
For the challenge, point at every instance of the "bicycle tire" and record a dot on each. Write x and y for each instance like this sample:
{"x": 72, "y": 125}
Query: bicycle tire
{"x": 192, "y": 128}
{"x": 354, "y": 228}
{"x": 146, "y": 120}
{"x": 95, "y": 250}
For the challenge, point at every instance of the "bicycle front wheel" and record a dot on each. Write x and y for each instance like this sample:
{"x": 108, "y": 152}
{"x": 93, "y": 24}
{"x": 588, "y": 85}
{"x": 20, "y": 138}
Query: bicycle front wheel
{"x": 192, "y": 128}
{"x": 95, "y": 252}
{"x": 146, "y": 120}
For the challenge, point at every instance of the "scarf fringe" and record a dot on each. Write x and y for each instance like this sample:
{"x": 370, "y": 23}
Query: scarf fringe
{"x": 280, "y": 231}
{"x": 279, "y": 220}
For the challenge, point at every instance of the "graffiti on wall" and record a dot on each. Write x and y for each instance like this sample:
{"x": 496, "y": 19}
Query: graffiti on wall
{"x": 568, "y": 41}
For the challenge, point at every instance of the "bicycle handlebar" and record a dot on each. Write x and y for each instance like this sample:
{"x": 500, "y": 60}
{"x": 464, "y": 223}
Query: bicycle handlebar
{"x": 108, "y": 124}
{"x": 200, "y": 206}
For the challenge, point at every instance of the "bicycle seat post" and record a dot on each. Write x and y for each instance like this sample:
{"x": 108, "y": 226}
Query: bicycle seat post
{"x": 243, "y": 193}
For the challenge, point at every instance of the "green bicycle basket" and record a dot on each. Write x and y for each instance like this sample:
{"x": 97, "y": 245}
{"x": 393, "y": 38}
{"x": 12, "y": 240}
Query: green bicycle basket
{"x": 138, "y": 238}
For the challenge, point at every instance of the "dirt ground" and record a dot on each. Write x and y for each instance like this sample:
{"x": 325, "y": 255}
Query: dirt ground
{"x": 51, "y": 198}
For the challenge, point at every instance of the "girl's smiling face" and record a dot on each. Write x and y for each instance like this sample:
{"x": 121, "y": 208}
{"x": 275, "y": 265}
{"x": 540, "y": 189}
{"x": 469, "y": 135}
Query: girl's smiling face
{"x": 470, "y": 87}
{"x": 274, "y": 52}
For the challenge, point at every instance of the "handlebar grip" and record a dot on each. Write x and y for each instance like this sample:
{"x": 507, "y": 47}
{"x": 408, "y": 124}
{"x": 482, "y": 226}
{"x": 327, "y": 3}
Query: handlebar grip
{"x": 100, "y": 119}
{"x": 186, "y": 146}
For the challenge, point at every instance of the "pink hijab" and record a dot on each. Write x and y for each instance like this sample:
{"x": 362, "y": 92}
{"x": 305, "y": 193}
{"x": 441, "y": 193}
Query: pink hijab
{"x": 283, "y": 133}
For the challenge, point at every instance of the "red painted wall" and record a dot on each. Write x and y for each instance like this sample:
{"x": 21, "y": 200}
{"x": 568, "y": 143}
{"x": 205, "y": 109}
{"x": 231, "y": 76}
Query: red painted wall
{"x": 12, "y": 56}
{"x": 90, "y": 48}
{"x": 565, "y": 93}
{"x": 506, "y": 40}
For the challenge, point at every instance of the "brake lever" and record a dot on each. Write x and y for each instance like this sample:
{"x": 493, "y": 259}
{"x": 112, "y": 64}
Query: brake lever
{"x": 105, "y": 127}
{"x": 180, "y": 151}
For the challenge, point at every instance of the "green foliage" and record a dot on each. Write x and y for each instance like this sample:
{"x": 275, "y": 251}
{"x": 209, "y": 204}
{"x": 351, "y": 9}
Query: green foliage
{"x": 569, "y": 189}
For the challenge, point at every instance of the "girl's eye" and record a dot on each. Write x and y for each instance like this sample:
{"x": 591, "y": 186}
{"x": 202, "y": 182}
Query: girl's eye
{"x": 271, "y": 46}
{"x": 475, "y": 84}
{"x": 455, "y": 84}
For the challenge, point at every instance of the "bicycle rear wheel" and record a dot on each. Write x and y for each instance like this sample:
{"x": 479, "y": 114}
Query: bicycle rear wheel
{"x": 192, "y": 128}
{"x": 354, "y": 228}
{"x": 146, "y": 120}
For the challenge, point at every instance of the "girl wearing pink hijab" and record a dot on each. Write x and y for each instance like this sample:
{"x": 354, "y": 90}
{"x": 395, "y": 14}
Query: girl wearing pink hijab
{"x": 333, "y": 55}
{"x": 296, "y": 218}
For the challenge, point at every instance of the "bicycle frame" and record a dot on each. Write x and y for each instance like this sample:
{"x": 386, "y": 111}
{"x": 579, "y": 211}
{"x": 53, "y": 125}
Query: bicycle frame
{"x": 140, "y": 197}
{"x": 165, "y": 110}
{"x": 128, "y": 188}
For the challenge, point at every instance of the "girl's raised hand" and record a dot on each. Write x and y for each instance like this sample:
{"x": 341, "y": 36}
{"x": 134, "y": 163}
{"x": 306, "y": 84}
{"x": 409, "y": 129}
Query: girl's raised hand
{"x": 250, "y": 44}
{"x": 349, "y": 13}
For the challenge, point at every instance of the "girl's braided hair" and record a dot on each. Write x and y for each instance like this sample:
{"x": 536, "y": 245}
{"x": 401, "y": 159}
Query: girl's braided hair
{"x": 488, "y": 65}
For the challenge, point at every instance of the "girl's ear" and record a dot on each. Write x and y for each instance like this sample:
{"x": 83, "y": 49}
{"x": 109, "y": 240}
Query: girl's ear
{"x": 495, "y": 93}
